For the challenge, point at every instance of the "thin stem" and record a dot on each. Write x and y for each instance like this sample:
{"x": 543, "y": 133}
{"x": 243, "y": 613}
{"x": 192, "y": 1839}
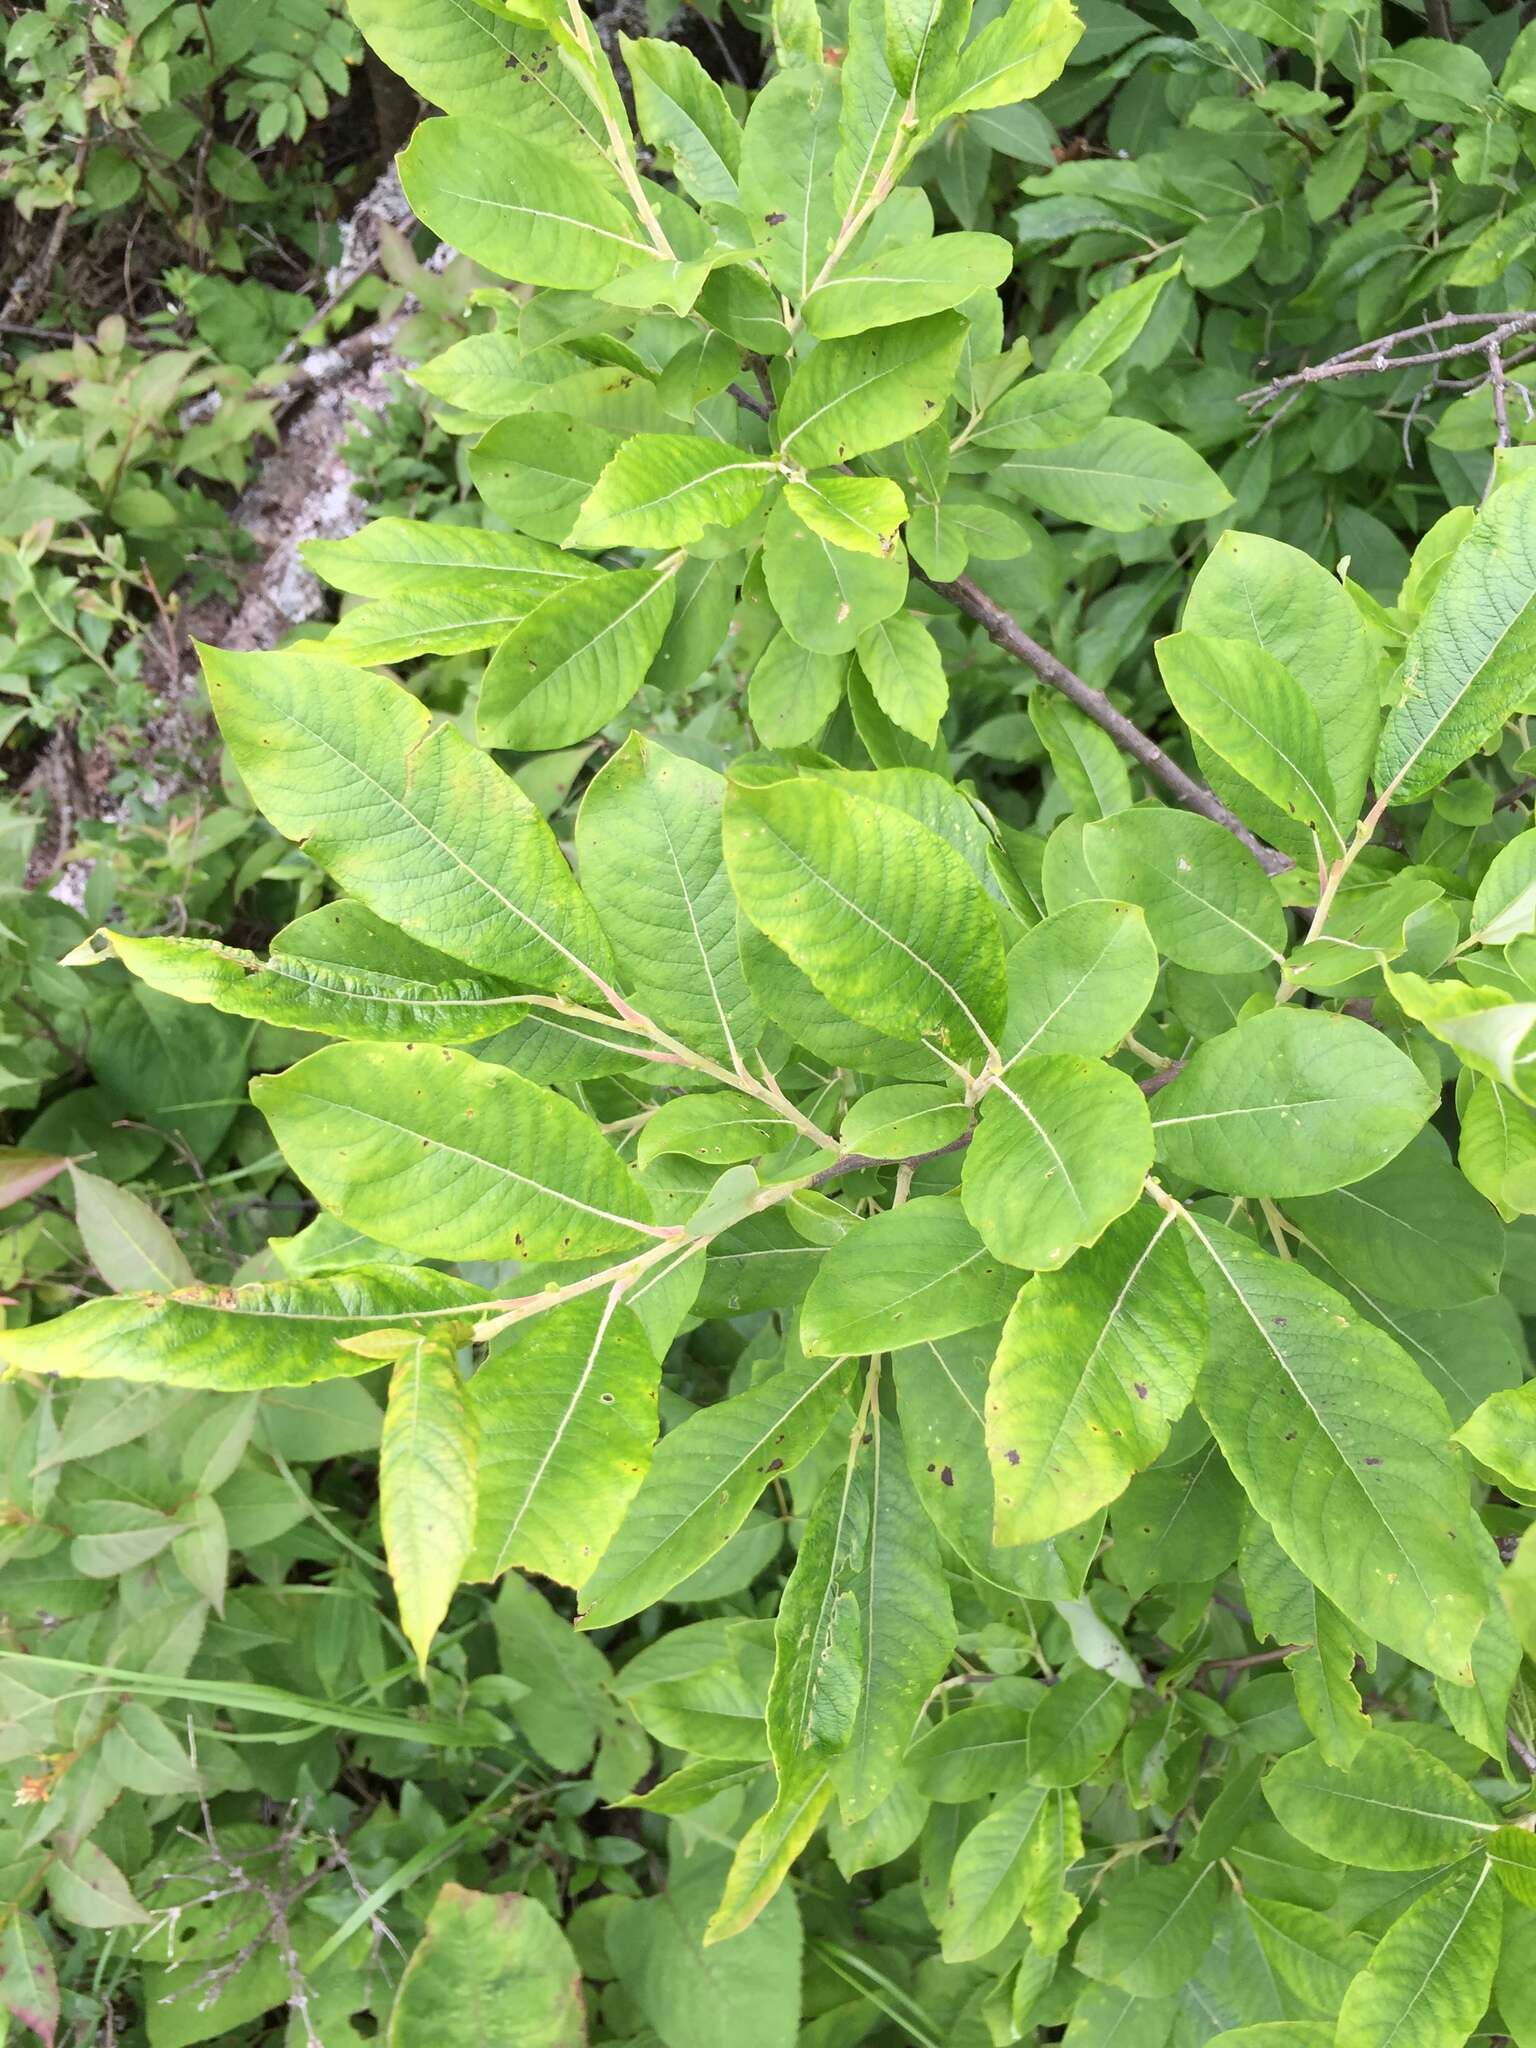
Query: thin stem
{"x": 856, "y": 217}
{"x": 1375, "y": 358}
{"x": 854, "y": 1162}
{"x": 1365, "y": 831}
{"x": 1248, "y": 1663}
{"x": 1006, "y": 632}
{"x": 620, "y": 148}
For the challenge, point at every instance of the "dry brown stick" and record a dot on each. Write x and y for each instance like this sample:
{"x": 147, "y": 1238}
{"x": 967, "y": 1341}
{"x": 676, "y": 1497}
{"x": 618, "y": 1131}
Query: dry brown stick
{"x": 1005, "y": 631}
{"x": 1250, "y": 1662}
{"x": 31, "y": 284}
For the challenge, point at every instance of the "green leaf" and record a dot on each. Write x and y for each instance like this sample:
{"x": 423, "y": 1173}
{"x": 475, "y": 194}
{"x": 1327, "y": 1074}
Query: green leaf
{"x": 141, "y": 1752}
{"x": 1079, "y": 981}
{"x": 882, "y": 915}
{"x": 1095, "y": 1366}
{"x": 1468, "y": 665}
{"x": 274, "y": 1701}
{"x": 1487, "y": 1030}
{"x": 86, "y": 1889}
{"x": 1249, "y": 709}
{"x": 451, "y": 1157}
{"x": 1413, "y": 1233}
{"x": 1505, "y": 904}
{"x": 1219, "y": 249}
{"x": 1045, "y": 411}
{"x": 817, "y": 1643}
{"x": 865, "y": 391}
{"x": 459, "y": 612}
{"x": 723, "y": 1128}
{"x": 661, "y": 490}
{"x": 493, "y": 1961}
{"x": 564, "y": 1709}
{"x": 1291, "y": 1102}
{"x": 921, "y": 38}
{"x": 427, "y": 1485}
{"x": 903, "y": 284}
{"x": 29, "y": 1988}
{"x": 1076, "y": 1726}
{"x": 1342, "y": 1446}
{"x": 859, "y": 513}
{"x": 766, "y": 1852}
{"x": 1151, "y": 1934}
{"x": 397, "y": 558}
{"x": 484, "y": 376}
{"x": 1396, "y": 1806}
{"x": 479, "y": 63}
{"x": 1512, "y": 1853}
{"x": 703, "y": 1482}
{"x": 1209, "y": 905}
{"x": 1433, "y": 82}
{"x": 682, "y": 110}
{"x": 688, "y": 1989}
{"x": 1497, "y": 1151}
{"x": 566, "y": 1417}
{"x": 648, "y": 836}
{"x": 1255, "y": 589}
{"x": 1015, "y": 57}
{"x": 905, "y": 671}
{"x": 1010, "y": 1867}
{"x": 410, "y": 993}
{"x": 522, "y": 209}
{"x": 901, "y": 1121}
{"x": 534, "y": 470}
{"x": 125, "y": 1240}
{"x": 1092, "y": 771}
{"x": 413, "y": 821}
{"x": 576, "y": 660}
{"x": 904, "y": 1275}
{"x": 1428, "y": 1982}
{"x": 1061, "y": 1149}
{"x": 824, "y": 594}
{"x": 1121, "y": 477}
{"x": 906, "y": 1627}
{"x": 942, "y": 1390}
{"x": 1313, "y": 1956}
{"x": 1108, "y": 329}
{"x": 787, "y": 150}
{"x": 264, "y": 1334}
{"x": 976, "y": 1753}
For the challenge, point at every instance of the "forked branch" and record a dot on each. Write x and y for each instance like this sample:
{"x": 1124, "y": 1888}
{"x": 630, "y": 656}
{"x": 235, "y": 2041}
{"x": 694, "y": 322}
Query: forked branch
{"x": 1447, "y": 339}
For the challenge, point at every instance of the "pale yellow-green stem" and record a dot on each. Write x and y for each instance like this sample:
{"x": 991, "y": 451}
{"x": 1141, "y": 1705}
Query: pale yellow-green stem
{"x": 620, "y": 146}
{"x": 1365, "y": 831}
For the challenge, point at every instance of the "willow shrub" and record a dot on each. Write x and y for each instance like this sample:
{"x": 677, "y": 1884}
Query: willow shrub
{"x": 1098, "y": 1229}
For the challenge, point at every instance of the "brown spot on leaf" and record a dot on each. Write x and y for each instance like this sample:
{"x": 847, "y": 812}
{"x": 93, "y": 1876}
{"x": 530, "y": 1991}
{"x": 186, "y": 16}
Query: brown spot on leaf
{"x": 946, "y": 1477}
